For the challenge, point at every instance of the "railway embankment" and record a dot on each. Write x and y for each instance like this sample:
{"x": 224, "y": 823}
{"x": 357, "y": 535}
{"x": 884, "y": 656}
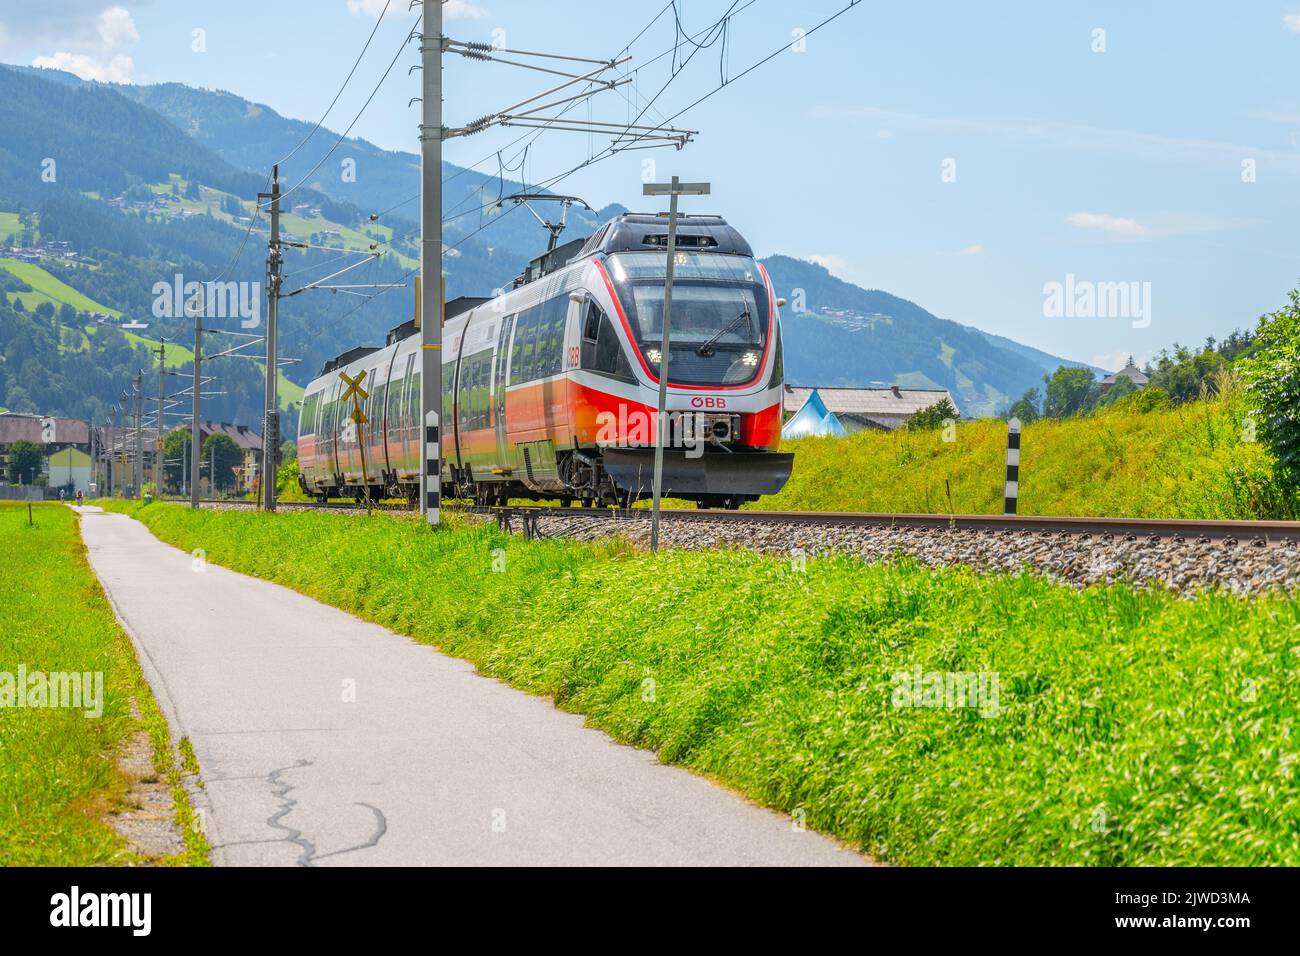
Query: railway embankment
{"x": 1200, "y": 460}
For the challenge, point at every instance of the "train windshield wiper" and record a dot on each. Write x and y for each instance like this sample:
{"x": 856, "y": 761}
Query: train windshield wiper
{"x": 706, "y": 347}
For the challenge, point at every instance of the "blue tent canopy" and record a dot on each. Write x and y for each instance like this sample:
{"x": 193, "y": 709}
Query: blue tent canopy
{"x": 814, "y": 418}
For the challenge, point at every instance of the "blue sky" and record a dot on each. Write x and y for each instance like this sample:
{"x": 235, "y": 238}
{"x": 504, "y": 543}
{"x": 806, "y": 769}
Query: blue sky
{"x": 960, "y": 155}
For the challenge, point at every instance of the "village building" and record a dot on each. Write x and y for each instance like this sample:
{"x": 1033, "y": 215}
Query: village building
{"x": 858, "y": 409}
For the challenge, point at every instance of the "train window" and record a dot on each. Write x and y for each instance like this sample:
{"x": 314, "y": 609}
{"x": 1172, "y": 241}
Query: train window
{"x": 521, "y": 358}
{"x": 591, "y": 324}
{"x": 381, "y": 407}
{"x": 605, "y": 354}
{"x": 407, "y": 381}
{"x": 413, "y": 403}
{"x": 551, "y": 358}
{"x": 305, "y": 416}
{"x": 778, "y": 361}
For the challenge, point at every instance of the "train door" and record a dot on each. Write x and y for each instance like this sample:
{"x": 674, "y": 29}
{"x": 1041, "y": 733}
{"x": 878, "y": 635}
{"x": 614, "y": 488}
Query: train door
{"x": 328, "y": 459}
{"x": 500, "y": 378}
{"x": 399, "y": 413}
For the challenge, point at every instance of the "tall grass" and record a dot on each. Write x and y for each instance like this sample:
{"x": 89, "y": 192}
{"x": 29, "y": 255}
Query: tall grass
{"x": 1198, "y": 460}
{"x": 1133, "y": 728}
{"x": 58, "y": 776}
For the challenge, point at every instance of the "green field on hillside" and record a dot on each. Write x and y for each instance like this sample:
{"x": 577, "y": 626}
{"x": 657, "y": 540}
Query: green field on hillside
{"x": 58, "y": 779}
{"x": 209, "y": 203}
{"x": 1193, "y": 461}
{"x": 1126, "y": 728}
{"x": 10, "y": 226}
{"x": 49, "y": 289}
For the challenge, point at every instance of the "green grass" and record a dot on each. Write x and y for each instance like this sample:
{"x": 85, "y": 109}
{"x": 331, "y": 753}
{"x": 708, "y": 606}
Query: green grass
{"x": 1134, "y": 728}
{"x": 1186, "y": 462}
{"x": 46, "y": 288}
{"x": 10, "y": 226}
{"x": 58, "y": 778}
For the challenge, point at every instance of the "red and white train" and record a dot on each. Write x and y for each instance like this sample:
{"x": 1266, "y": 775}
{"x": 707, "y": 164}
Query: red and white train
{"x": 550, "y": 390}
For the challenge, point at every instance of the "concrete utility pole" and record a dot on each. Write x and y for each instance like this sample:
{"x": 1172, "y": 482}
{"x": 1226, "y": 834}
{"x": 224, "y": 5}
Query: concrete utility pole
{"x": 138, "y": 389}
{"x": 115, "y": 450}
{"x": 271, "y": 423}
{"x": 162, "y": 404}
{"x": 195, "y": 459}
{"x": 672, "y": 190}
{"x": 430, "y": 312}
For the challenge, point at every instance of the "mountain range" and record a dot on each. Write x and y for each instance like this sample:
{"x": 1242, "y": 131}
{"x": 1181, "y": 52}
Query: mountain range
{"x": 148, "y": 182}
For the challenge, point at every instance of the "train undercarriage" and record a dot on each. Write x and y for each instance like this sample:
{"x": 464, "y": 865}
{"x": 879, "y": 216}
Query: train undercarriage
{"x": 609, "y": 478}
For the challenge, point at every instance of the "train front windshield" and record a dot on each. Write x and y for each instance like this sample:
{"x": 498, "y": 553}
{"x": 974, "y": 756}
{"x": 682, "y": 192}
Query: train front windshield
{"x": 719, "y": 319}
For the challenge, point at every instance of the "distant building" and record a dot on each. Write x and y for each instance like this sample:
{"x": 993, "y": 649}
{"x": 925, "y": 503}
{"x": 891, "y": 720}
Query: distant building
{"x": 1130, "y": 372}
{"x": 813, "y": 419}
{"x": 857, "y": 409}
{"x": 248, "y": 441}
{"x": 64, "y": 444}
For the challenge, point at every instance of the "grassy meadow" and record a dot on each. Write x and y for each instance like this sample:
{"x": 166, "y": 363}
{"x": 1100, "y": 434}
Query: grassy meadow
{"x": 1130, "y": 728}
{"x": 1194, "y": 461}
{"x": 58, "y": 776}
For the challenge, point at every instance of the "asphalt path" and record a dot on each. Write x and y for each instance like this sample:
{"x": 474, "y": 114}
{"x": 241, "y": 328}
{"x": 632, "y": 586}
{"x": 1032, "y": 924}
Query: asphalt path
{"x": 324, "y": 740}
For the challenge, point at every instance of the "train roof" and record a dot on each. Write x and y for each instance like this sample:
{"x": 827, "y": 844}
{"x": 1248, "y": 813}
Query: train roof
{"x": 638, "y": 231}
{"x": 628, "y": 232}
{"x": 641, "y": 231}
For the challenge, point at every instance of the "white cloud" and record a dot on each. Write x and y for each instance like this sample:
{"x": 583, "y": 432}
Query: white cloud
{"x": 1292, "y": 22}
{"x": 461, "y": 10}
{"x": 106, "y": 62}
{"x": 971, "y": 251}
{"x": 116, "y": 28}
{"x": 120, "y": 69}
{"x": 829, "y": 263}
{"x": 1116, "y": 225}
{"x": 451, "y": 9}
{"x": 885, "y": 134}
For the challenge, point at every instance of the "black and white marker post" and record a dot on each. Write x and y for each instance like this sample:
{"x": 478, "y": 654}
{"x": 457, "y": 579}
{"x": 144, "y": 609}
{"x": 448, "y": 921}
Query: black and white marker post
{"x": 1013, "y": 466}
{"x": 432, "y": 469}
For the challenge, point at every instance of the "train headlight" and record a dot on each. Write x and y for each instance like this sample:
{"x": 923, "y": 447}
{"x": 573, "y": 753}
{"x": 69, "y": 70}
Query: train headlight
{"x": 750, "y": 358}
{"x": 654, "y": 355}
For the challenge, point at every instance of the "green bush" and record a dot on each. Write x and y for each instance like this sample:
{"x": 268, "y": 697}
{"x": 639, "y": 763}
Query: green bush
{"x": 1272, "y": 377}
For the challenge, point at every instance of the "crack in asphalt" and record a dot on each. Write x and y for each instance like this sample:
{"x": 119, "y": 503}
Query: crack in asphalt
{"x": 292, "y": 835}
{"x": 309, "y": 856}
{"x": 381, "y": 827}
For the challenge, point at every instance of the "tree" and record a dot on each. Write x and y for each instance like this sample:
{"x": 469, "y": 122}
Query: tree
{"x": 928, "y": 419}
{"x": 176, "y": 457}
{"x": 1070, "y": 390}
{"x": 1122, "y": 388}
{"x": 24, "y": 462}
{"x": 222, "y": 454}
{"x": 1026, "y": 407}
{"x": 1272, "y": 377}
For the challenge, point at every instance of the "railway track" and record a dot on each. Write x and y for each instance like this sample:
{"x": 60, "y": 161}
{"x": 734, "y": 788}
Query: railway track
{"x": 1265, "y": 533}
{"x": 1257, "y": 532}
{"x": 1241, "y": 557}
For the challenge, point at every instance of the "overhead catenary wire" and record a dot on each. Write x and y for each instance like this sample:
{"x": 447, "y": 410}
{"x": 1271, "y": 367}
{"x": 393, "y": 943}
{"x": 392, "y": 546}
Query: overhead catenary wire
{"x": 364, "y": 106}
{"x": 334, "y": 102}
